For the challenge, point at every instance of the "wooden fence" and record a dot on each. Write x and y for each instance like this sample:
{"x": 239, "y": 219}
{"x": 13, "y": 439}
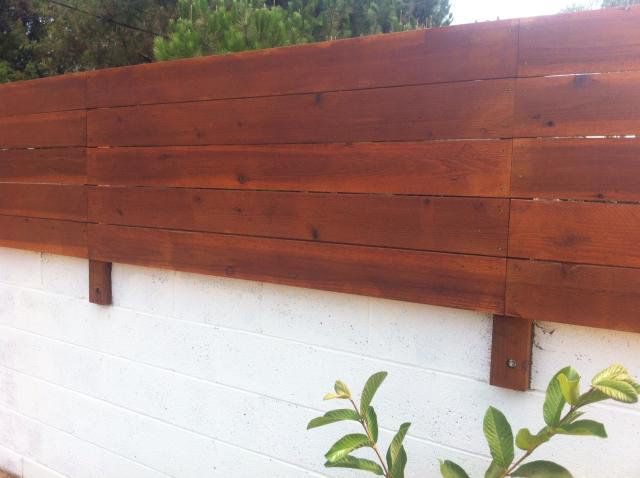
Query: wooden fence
{"x": 486, "y": 166}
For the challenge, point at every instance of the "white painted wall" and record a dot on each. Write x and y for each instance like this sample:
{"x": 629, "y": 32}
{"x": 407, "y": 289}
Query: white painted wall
{"x": 196, "y": 376}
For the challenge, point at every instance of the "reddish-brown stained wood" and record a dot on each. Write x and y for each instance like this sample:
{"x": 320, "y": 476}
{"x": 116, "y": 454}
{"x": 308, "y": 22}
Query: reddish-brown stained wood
{"x": 43, "y": 95}
{"x": 481, "y": 109}
{"x": 466, "y": 225}
{"x": 100, "y": 282}
{"x": 44, "y": 200}
{"x": 589, "y": 233}
{"x": 582, "y": 105}
{"x": 511, "y": 344}
{"x": 599, "y": 41}
{"x": 43, "y": 130}
{"x": 593, "y": 296}
{"x": 67, "y": 238}
{"x": 469, "y": 52}
{"x": 584, "y": 168}
{"x": 453, "y": 168}
{"x": 51, "y": 165}
{"x": 454, "y": 280}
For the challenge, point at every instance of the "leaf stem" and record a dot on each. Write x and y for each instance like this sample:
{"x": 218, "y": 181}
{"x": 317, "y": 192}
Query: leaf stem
{"x": 517, "y": 463}
{"x": 551, "y": 433}
{"x": 373, "y": 444}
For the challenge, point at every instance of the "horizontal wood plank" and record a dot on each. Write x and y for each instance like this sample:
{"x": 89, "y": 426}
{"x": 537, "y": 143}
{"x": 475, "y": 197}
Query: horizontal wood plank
{"x": 592, "y": 296}
{"x": 589, "y": 233}
{"x": 51, "y": 165}
{"x": 43, "y": 95}
{"x": 582, "y": 105}
{"x": 464, "y": 225}
{"x": 454, "y": 280}
{"x": 585, "y": 42}
{"x": 67, "y": 238}
{"x": 453, "y": 168}
{"x": 585, "y": 168}
{"x": 467, "y": 110}
{"x": 44, "y": 200}
{"x": 45, "y": 130}
{"x": 469, "y": 52}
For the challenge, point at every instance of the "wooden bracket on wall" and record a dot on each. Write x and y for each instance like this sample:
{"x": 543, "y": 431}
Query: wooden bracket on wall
{"x": 511, "y": 352}
{"x": 100, "y": 282}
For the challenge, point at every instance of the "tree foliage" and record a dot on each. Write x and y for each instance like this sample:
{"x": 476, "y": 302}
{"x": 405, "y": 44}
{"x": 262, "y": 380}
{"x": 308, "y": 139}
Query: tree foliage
{"x": 20, "y": 33}
{"x": 48, "y": 37}
{"x": 91, "y": 34}
{"x": 206, "y": 27}
{"x": 594, "y": 4}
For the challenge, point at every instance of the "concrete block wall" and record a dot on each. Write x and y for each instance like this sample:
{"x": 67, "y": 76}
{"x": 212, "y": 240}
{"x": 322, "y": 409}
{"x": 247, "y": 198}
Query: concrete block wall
{"x": 197, "y": 376}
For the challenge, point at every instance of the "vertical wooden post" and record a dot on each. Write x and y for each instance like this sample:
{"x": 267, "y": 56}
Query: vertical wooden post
{"x": 511, "y": 352}
{"x": 99, "y": 282}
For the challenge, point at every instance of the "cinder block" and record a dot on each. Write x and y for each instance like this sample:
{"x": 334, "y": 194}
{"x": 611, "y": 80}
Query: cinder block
{"x": 219, "y": 301}
{"x": 36, "y": 470}
{"x": 18, "y": 267}
{"x": 10, "y": 463}
{"x": 67, "y": 276}
{"x": 143, "y": 288}
{"x": 63, "y": 452}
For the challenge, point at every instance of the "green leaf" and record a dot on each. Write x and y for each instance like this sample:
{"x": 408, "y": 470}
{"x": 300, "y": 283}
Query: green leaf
{"x": 570, "y": 386}
{"x": 616, "y": 383}
{"x": 499, "y": 437}
{"x": 495, "y": 471}
{"x": 542, "y": 469}
{"x": 554, "y": 401}
{"x": 449, "y": 469}
{"x": 584, "y": 427}
{"x": 370, "y": 389}
{"x": 396, "y": 444}
{"x": 526, "y": 441}
{"x": 332, "y": 417}
{"x": 397, "y": 470}
{"x": 346, "y": 445}
{"x": 342, "y": 390}
{"x": 357, "y": 464}
{"x": 614, "y": 372}
{"x": 617, "y": 390}
{"x": 371, "y": 419}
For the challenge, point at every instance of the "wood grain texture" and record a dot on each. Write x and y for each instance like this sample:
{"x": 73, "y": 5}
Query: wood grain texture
{"x": 511, "y": 345}
{"x": 100, "y": 290}
{"x": 469, "y": 52}
{"x": 44, "y": 200}
{"x": 582, "y": 105}
{"x": 452, "y": 168}
{"x": 585, "y": 42}
{"x": 46, "y": 130}
{"x": 466, "y": 225}
{"x": 471, "y": 282}
{"x": 43, "y": 95}
{"x": 592, "y": 296}
{"x": 481, "y": 109}
{"x": 592, "y": 169}
{"x": 51, "y": 165}
{"x": 67, "y": 238}
{"x": 589, "y": 233}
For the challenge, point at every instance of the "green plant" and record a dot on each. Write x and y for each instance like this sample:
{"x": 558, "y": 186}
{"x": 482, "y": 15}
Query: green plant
{"x": 562, "y": 413}
{"x": 339, "y": 455}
